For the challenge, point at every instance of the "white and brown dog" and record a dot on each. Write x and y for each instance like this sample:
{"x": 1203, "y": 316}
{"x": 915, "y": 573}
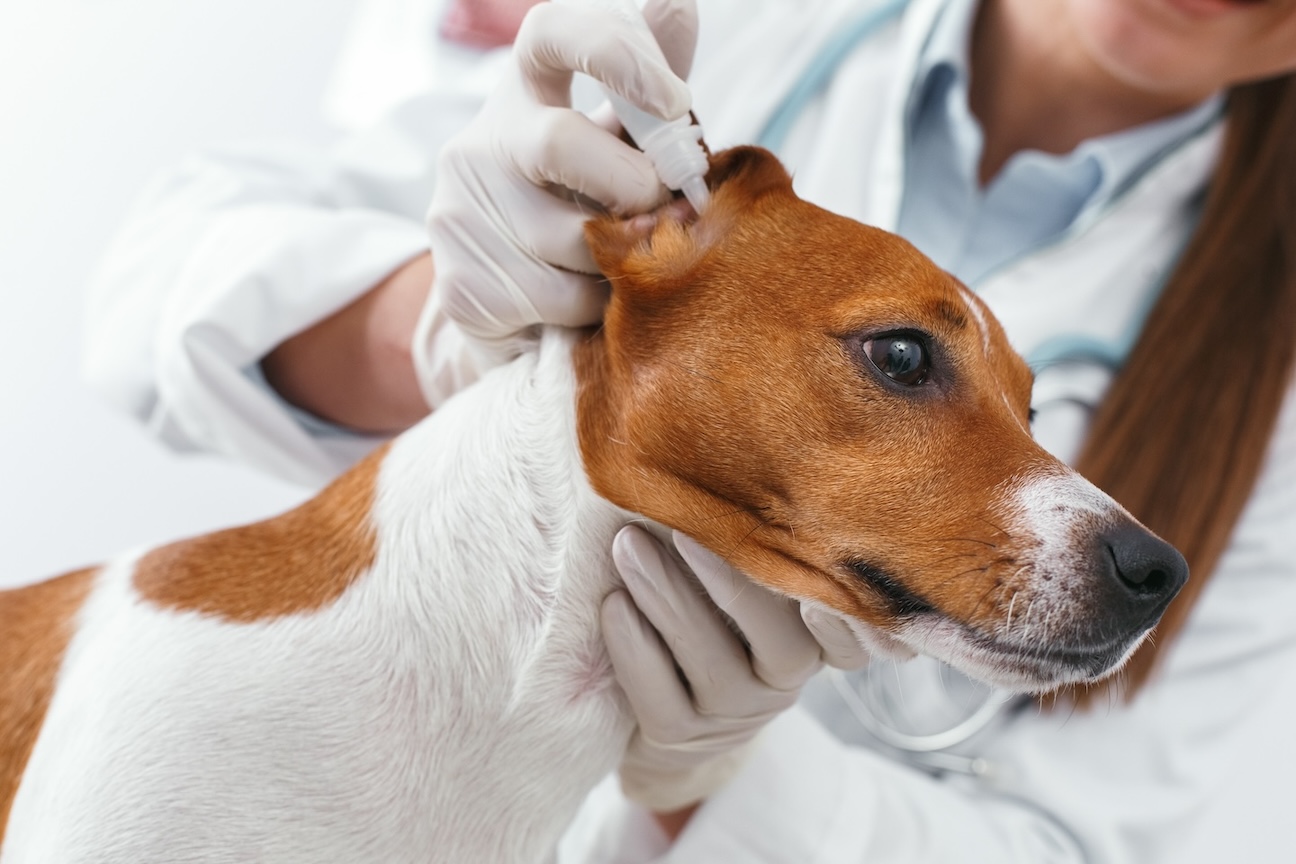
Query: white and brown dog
{"x": 409, "y": 667}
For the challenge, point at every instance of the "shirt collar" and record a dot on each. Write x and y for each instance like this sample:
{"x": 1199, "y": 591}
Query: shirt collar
{"x": 1121, "y": 157}
{"x": 944, "y": 56}
{"x": 1125, "y": 156}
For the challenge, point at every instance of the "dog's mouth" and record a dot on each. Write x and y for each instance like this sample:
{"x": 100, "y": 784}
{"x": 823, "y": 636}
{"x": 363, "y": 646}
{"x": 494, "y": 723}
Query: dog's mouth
{"x": 1010, "y": 665}
{"x": 904, "y": 602}
{"x": 1019, "y": 665}
{"x": 1045, "y": 667}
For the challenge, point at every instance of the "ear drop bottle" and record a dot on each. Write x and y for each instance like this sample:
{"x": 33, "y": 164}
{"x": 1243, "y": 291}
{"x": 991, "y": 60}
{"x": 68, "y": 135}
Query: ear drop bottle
{"x": 673, "y": 146}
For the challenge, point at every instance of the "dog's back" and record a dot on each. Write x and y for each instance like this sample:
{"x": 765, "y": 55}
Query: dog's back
{"x": 36, "y": 623}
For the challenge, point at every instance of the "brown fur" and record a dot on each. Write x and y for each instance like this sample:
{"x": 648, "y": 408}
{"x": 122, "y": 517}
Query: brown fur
{"x": 793, "y": 289}
{"x": 35, "y": 627}
{"x": 297, "y": 562}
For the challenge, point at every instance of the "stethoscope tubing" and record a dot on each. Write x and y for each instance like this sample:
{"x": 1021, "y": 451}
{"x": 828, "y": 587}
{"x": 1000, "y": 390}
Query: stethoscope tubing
{"x": 926, "y": 750}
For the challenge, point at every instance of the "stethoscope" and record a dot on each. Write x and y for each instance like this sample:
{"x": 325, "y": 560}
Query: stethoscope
{"x": 875, "y": 706}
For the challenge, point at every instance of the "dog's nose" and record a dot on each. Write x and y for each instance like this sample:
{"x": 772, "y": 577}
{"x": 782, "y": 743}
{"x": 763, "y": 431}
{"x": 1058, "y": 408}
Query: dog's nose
{"x": 1149, "y": 570}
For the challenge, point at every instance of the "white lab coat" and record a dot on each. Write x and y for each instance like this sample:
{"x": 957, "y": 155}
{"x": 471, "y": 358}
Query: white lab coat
{"x": 233, "y": 252}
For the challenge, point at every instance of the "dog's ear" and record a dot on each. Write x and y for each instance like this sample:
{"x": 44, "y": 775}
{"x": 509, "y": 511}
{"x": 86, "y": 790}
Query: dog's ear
{"x": 747, "y": 173}
{"x": 649, "y": 254}
{"x": 656, "y": 253}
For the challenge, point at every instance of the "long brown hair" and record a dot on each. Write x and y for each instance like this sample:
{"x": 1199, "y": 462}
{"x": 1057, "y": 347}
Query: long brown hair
{"x": 1182, "y": 434}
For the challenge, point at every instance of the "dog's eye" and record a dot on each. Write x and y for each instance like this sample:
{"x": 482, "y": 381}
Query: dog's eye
{"x": 901, "y": 358}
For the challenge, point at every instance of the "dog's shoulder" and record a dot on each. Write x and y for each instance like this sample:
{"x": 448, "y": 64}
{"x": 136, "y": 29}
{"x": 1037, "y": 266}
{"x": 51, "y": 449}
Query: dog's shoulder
{"x": 299, "y": 561}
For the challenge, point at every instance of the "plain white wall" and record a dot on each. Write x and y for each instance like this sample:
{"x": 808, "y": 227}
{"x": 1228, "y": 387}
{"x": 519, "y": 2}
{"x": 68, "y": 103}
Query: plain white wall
{"x": 94, "y": 98}
{"x": 95, "y": 95}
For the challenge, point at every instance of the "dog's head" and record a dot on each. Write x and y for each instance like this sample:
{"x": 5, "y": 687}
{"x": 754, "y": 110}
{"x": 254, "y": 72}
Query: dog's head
{"x": 816, "y": 401}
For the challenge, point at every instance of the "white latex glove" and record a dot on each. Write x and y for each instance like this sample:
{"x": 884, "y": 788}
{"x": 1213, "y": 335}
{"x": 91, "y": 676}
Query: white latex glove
{"x": 506, "y": 231}
{"x": 693, "y": 738}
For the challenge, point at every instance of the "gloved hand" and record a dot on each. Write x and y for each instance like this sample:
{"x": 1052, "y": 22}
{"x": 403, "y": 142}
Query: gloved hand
{"x": 692, "y": 739}
{"x": 506, "y": 228}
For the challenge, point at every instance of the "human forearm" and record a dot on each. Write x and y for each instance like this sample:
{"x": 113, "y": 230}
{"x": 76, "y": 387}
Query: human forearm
{"x": 354, "y": 368}
{"x": 224, "y": 259}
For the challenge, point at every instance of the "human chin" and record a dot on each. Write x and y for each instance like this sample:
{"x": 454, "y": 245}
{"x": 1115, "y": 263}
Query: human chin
{"x": 1170, "y": 48}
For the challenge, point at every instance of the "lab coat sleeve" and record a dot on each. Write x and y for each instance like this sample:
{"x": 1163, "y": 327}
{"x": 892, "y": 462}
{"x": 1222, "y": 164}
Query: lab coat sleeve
{"x": 807, "y": 797}
{"x": 1119, "y": 784}
{"x": 233, "y": 252}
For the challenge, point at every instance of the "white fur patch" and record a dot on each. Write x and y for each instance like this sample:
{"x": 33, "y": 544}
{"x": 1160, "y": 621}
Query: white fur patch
{"x": 974, "y": 307}
{"x": 1053, "y": 518}
{"x": 1054, "y": 509}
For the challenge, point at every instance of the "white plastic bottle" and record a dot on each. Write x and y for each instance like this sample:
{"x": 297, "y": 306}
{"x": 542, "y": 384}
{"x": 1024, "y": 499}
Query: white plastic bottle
{"x": 673, "y": 146}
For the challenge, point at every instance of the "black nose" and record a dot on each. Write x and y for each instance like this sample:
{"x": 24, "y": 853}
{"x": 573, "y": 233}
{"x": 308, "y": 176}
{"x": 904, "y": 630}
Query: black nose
{"x": 1149, "y": 569}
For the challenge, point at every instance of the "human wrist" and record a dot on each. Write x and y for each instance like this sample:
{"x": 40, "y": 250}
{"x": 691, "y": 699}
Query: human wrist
{"x": 674, "y": 822}
{"x": 354, "y": 368}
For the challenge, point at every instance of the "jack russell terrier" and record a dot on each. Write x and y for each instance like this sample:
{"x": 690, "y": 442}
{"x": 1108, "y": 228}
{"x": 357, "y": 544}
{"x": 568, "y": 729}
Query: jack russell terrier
{"x": 409, "y": 667}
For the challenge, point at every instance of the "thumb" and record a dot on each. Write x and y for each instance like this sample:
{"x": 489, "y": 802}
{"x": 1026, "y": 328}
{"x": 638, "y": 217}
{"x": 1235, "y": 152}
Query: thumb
{"x": 840, "y": 646}
{"x": 674, "y": 23}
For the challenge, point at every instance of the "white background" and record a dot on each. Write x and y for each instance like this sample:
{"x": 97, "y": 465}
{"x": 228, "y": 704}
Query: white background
{"x": 94, "y": 98}
{"x": 95, "y": 95}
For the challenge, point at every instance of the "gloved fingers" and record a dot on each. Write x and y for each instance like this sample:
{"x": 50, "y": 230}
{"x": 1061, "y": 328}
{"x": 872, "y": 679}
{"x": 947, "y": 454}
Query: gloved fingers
{"x": 711, "y": 657}
{"x": 580, "y": 306}
{"x": 536, "y": 228}
{"x": 604, "y": 117}
{"x": 556, "y": 40}
{"x": 644, "y": 668}
{"x": 783, "y": 651}
{"x": 552, "y": 230}
{"x": 841, "y": 647}
{"x": 467, "y": 252}
{"x": 674, "y": 24}
{"x": 568, "y": 149}
{"x": 570, "y": 300}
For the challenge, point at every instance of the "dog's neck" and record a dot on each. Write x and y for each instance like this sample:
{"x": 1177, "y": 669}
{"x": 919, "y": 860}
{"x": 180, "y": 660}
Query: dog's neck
{"x": 522, "y": 471}
{"x": 543, "y": 693}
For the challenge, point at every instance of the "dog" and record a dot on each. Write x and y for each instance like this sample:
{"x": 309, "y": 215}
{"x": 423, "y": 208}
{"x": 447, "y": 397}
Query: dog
{"x": 409, "y": 667}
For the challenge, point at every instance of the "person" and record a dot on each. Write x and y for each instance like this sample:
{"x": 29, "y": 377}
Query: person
{"x": 1112, "y": 176}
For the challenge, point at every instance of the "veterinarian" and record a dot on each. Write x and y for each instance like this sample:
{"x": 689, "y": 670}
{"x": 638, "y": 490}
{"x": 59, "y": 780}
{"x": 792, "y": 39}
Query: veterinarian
{"x": 1115, "y": 177}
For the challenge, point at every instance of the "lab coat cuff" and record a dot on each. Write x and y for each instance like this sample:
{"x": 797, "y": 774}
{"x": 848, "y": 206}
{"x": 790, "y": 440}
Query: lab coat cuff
{"x": 611, "y": 829}
{"x": 249, "y": 294}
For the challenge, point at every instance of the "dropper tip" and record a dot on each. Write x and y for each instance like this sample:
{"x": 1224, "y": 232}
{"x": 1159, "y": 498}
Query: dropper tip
{"x": 696, "y": 192}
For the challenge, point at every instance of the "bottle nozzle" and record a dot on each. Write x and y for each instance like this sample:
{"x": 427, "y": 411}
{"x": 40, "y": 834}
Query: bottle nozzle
{"x": 695, "y": 190}
{"x": 673, "y": 146}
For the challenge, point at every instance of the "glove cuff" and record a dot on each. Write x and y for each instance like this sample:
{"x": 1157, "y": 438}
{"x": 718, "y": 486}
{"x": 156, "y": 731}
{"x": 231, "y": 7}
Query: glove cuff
{"x": 665, "y": 791}
{"x": 443, "y": 356}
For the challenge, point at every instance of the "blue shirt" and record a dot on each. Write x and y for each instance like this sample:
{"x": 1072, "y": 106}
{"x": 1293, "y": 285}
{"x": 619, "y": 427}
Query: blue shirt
{"x": 973, "y": 231}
